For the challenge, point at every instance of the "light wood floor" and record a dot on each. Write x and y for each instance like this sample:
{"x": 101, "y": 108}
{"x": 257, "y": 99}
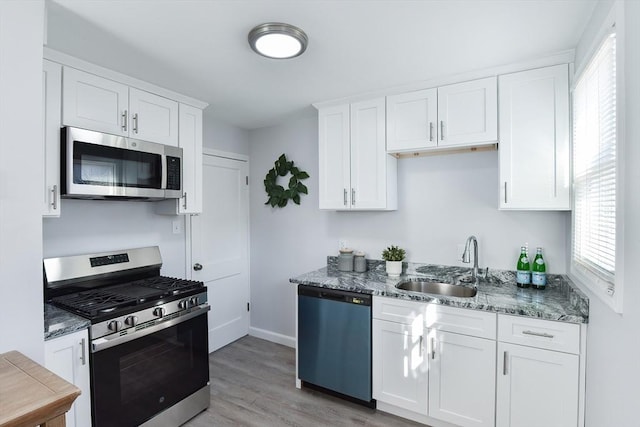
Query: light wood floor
{"x": 253, "y": 384}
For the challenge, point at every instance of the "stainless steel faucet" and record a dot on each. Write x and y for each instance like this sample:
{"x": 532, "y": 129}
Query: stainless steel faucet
{"x": 466, "y": 255}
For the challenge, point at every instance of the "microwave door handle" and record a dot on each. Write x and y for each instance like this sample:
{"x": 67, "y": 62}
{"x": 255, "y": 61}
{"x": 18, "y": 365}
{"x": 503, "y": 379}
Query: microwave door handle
{"x": 163, "y": 179}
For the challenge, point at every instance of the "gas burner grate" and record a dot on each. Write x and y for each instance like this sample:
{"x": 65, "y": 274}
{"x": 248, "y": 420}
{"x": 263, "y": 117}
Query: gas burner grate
{"x": 94, "y": 302}
{"x": 170, "y": 284}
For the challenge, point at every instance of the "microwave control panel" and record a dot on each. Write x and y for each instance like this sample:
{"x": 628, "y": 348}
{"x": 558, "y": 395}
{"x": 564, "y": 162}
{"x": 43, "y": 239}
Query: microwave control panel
{"x": 173, "y": 173}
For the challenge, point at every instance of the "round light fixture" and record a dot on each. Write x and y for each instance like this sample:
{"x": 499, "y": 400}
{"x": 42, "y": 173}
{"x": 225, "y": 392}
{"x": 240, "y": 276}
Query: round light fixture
{"x": 278, "y": 40}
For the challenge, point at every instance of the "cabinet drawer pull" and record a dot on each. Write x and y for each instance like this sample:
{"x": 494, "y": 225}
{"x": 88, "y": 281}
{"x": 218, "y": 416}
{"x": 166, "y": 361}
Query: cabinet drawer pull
{"x": 441, "y": 130}
{"x": 184, "y": 196}
{"x": 505, "y": 192}
{"x": 345, "y": 197}
{"x": 54, "y": 197}
{"x": 353, "y": 197}
{"x": 420, "y": 348}
{"x": 135, "y": 123}
{"x": 430, "y": 131}
{"x": 124, "y": 120}
{"x": 83, "y": 354}
{"x": 537, "y": 334}
{"x": 433, "y": 348}
{"x": 505, "y": 362}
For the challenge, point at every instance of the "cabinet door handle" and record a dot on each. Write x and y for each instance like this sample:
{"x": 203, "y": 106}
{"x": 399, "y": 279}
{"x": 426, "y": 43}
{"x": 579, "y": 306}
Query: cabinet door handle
{"x": 430, "y": 131}
{"x": 83, "y": 354}
{"x": 54, "y": 197}
{"x": 345, "y": 197}
{"x": 184, "y": 196}
{"x": 353, "y": 197}
{"x": 135, "y": 123}
{"x": 441, "y": 130}
{"x": 537, "y": 334}
{"x": 420, "y": 348}
{"x": 505, "y": 192}
{"x": 433, "y": 348}
{"x": 505, "y": 362}
{"x": 124, "y": 120}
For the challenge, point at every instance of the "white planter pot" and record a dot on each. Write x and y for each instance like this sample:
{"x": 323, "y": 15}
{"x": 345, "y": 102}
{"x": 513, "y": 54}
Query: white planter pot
{"x": 394, "y": 268}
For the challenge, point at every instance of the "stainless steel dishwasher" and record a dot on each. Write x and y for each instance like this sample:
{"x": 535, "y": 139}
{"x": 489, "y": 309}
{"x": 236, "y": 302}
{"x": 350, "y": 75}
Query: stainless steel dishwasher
{"x": 334, "y": 342}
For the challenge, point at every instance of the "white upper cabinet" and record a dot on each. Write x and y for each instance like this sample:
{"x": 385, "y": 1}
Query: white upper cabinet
{"x": 412, "y": 120}
{"x": 51, "y": 101}
{"x": 355, "y": 171}
{"x": 153, "y": 118}
{"x": 534, "y": 139}
{"x": 103, "y": 105}
{"x": 457, "y": 115}
{"x": 94, "y": 103}
{"x": 468, "y": 113}
{"x": 191, "y": 144}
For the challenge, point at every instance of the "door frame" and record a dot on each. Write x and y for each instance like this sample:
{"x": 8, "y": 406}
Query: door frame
{"x": 187, "y": 232}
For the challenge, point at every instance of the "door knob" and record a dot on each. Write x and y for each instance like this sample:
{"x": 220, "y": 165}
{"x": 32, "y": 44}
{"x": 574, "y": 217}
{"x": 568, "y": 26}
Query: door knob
{"x": 197, "y": 266}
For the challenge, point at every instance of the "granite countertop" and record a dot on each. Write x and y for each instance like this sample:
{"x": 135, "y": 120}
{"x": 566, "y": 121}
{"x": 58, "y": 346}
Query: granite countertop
{"x": 58, "y": 322}
{"x": 497, "y": 292}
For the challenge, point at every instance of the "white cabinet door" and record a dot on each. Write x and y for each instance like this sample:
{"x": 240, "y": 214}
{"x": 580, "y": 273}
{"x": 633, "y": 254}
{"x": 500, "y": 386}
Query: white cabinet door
{"x": 534, "y": 139}
{"x": 400, "y": 365}
{"x": 468, "y": 113}
{"x": 153, "y": 118}
{"x": 191, "y": 144}
{"x": 95, "y": 103}
{"x": 51, "y": 104}
{"x": 412, "y": 120}
{"x": 68, "y": 357}
{"x": 368, "y": 155}
{"x": 335, "y": 162}
{"x": 462, "y": 372}
{"x": 536, "y": 387}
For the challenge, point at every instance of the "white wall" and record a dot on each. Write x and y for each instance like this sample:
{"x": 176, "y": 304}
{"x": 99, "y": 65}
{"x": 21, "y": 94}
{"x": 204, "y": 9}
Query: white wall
{"x": 88, "y": 226}
{"x": 613, "y": 372}
{"x": 442, "y": 200}
{"x": 21, "y": 177}
{"x": 225, "y": 137}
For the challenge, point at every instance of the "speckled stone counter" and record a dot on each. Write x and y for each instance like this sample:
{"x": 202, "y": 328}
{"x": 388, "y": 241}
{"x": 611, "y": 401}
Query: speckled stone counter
{"x": 497, "y": 290}
{"x": 58, "y": 322}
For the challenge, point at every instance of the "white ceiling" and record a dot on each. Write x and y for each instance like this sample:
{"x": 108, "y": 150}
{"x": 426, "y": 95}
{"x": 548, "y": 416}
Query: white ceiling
{"x": 199, "y": 47}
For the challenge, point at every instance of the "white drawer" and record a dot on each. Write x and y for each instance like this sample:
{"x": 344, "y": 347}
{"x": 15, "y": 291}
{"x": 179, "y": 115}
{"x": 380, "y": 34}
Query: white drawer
{"x": 462, "y": 321}
{"x": 548, "y": 334}
{"x": 398, "y": 310}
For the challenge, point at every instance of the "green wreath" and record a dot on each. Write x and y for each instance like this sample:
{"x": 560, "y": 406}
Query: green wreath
{"x": 278, "y": 196}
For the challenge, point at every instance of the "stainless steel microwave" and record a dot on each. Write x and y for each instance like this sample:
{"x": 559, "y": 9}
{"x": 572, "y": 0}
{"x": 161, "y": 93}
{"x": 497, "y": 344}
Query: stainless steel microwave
{"x": 101, "y": 166}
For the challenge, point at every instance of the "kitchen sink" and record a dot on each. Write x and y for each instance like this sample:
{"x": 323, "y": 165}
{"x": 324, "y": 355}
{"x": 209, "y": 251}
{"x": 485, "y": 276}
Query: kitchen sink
{"x": 438, "y": 288}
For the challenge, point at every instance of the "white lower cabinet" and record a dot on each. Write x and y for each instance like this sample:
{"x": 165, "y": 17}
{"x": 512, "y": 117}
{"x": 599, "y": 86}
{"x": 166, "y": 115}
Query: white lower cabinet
{"x": 399, "y": 365}
{"x": 68, "y": 357}
{"x": 461, "y": 379}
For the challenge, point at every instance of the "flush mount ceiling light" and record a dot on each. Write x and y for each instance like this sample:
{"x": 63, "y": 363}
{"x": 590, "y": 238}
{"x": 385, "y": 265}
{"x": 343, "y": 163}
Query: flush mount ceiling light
{"x": 278, "y": 40}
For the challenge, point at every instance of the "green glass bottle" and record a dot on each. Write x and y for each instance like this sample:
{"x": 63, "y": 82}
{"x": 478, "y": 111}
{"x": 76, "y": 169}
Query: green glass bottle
{"x": 523, "y": 269}
{"x": 539, "y": 271}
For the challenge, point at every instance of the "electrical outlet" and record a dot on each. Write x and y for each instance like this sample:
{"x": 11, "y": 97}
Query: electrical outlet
{"x": 342, "y": 244}
{"x": 460, "y": 251}
{"x": 176, "y": 226}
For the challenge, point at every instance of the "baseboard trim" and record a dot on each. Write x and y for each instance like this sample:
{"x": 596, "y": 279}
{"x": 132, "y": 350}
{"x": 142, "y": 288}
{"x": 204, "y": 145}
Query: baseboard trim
{"x": 273, "y": 337}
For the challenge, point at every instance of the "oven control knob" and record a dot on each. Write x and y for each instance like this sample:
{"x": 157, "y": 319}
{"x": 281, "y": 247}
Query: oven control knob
{"x": 193, "y": 301}
{"x": 131, "y": 320}
{"x": 183, "y": 305}
{"x": 159, "y": 312}
{"x": 114, "y": 325}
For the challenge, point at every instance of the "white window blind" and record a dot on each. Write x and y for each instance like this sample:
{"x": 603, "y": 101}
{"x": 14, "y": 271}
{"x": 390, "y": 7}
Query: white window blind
{"x": 594, "y": 167}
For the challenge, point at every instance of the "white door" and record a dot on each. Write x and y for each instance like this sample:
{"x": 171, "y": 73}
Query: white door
{"x": 412, "y": 120}
{"x": 468, "y": 112}
{"x": 399, "y": 365}
{"x": 536, "y": 387}
{"x": 219, "y": 242}
{"x": 153, "y": 118}
{"x": 94, "y": 103}
{"x": 462, "y": 375}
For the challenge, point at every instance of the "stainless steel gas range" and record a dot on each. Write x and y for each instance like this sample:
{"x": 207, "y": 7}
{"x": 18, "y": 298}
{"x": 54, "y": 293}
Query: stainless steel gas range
{"x": 149, "y": 341}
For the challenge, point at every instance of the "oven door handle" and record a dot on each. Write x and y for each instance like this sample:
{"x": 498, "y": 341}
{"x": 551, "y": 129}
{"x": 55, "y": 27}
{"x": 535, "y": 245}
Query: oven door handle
{"x": 103, "y": 343}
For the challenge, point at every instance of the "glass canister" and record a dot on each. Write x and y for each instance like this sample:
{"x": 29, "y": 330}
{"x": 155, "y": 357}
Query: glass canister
{"x": 359, "y": 262}
{"x": 345, "y": 260}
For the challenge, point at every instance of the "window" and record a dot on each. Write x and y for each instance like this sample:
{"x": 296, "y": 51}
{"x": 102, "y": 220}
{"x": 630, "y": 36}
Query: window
{"x": 595, "y": 170}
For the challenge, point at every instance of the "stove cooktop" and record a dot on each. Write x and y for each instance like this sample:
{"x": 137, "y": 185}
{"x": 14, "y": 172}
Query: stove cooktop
{"x": 96, "y": 304}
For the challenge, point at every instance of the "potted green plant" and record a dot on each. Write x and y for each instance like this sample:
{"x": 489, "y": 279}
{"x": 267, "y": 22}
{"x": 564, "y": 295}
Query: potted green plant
{"x": 393, "y": 256}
